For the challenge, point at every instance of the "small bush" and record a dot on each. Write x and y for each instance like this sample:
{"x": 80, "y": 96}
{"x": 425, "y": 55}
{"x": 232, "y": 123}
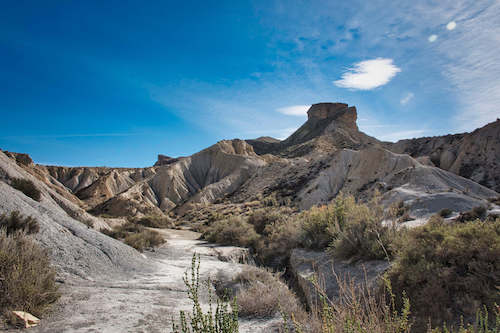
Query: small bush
{"x": 263, "y": 294}
{"x": 473, "y": 214}
{"x": 445, "y": 212}
{"x": 27, "y": 187}
{"x": 144, "y": 239}
{"x": 232, "y": 231}
{"x": 154, "y": 221}
{"x": 16, "y": 222}
{"x": 449, "y": 270}
{"x": 279, "y": 238}
{"x": 136, "y": 236}
{"x": 27, "y": 281}
{"x": 262, "y": 218}
{"x": 362, "y": 234}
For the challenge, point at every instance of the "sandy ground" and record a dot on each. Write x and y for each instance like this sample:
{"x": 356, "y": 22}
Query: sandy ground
{"x": 148, "y": 301}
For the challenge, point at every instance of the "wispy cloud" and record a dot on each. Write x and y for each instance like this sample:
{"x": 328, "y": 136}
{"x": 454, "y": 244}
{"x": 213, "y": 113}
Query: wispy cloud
{"x": 294, "y": 110}
{"x": 395, "y": 136}
{"x": 368, "y": 74}
{"x": 406, "y": 98}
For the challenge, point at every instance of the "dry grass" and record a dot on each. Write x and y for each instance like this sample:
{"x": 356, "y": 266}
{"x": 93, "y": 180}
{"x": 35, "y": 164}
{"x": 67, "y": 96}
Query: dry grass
{"x": 27, "y": 281}
{"x": 136, "y": 236}
{"x": 27, "y": 187}
{"x": 16, "y": 222}
{"x": 263, "y": 294}
{"x": 145, "y": 239}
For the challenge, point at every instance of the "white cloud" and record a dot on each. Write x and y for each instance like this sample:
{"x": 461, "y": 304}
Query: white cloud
{"x": 294, "y": 110}
{"x": 368, "y": 74}
{"x": 406, "y": 98}
{"x": 433, "y": 38}
{"x": 395, "y": 136}
{"x": 452, "y": 25}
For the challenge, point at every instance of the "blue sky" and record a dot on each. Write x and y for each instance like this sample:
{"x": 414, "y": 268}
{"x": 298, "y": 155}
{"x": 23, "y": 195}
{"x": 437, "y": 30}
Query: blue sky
{"x": 115, "y": 83}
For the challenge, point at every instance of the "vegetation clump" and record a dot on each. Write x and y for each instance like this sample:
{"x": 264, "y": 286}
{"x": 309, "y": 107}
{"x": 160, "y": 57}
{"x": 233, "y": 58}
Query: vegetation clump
{"x": 15, "y": 222}
{"x": 232, "y": 231}
{"x": 136, "y": 236}
{"x": 154, "y": 221}
{"x": 263, "y": 294}
{"x": 27, "y": 280}
{"x": 27, "y": 187}
{"x": 449, "y": 270}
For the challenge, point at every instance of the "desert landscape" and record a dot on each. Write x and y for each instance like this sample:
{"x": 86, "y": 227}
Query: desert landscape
{"x": 251, "y": 166}
{"x": 120, "y": 239}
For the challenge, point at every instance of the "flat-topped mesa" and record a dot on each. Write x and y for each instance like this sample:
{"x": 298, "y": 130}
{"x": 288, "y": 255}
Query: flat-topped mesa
{"x": 338, "y": 111}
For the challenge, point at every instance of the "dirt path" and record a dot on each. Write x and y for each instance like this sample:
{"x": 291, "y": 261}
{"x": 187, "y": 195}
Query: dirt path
{"x": 148, "y": 301}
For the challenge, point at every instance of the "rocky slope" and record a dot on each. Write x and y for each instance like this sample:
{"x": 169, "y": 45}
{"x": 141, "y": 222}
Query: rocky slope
{"x": 78, "y": 251}
{"x": 473, "y": 155}
{"x": 329, "y": 126}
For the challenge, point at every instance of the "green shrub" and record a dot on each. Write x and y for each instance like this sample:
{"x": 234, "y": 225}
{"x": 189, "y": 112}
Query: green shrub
{"x": 232, "y": 231}
{"x": 27, "y": 187}
{"x": 218, "y": 320}
{"x": 449, "y": 270}
{"x": 27, "y": 281}
{"x": 362, "y": 235}
{"x": 16, "y": 222}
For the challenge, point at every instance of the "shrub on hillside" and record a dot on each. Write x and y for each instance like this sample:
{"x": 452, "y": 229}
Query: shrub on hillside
{"x": 449, "y": 270}
{"x": 27, "y": 281}
{"x": 232, "y": 231}
{"x": 27, "y": 187}
{"x": 16, "y": 222}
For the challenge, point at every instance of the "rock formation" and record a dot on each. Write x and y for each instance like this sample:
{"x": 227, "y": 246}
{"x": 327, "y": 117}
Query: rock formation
{"x": 473, "y": 155}
{"x": 326, "y": 155}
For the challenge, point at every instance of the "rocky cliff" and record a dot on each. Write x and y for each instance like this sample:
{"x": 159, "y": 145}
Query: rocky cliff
{"x": 473, "y": 155}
